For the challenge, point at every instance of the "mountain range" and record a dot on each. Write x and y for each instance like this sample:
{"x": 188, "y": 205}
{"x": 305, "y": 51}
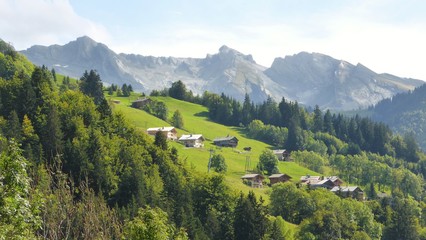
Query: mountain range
{"x": 309, "y": 78}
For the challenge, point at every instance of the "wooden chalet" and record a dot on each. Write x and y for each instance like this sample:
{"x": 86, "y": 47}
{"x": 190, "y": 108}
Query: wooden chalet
{"x": 169, "y": 132}
{"x": 280, "y": 177}
{"x": 254, "y": 180}
{"x": 281, "y": 154}
{"x": 192, "y": 140}
{"x": 228, "y": 141}
{"x": 326, "y": 183}
{"x": 353, "y": 192}
{"x": 140, "y": 103}
{"x": 336, "y": 180}
{"x": 308, "y": 179}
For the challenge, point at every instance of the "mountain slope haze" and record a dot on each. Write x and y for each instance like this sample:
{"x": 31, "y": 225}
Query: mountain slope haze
{"x": 309, "y": 78}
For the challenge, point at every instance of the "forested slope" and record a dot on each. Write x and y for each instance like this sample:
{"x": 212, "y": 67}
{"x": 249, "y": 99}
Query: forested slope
{"x": 71, "y": 168}
{"x": 405, "y": 113}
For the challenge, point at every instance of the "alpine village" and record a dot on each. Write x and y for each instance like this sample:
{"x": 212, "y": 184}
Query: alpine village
{"x": 81, "y": 159}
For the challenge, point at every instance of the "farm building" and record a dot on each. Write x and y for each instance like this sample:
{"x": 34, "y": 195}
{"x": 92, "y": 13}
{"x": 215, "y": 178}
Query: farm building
{"x": 192, "y": 140}
{"x": 336, "y": 180}
{"x": 140, "y": 103}
{"x": 254, "y": 180}
{"x": 170, "y": 132}
{"x": 353, "y": 192}
{"x": 326, "y": 183}
{"x": 281, "y": 154}
{"x": 228, "y": 141}
{"x": 308, "y": 179}
{"x": 280, "y": 177}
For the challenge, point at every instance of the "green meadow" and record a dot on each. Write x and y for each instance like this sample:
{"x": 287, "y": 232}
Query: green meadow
{"x": 196, "y": 121}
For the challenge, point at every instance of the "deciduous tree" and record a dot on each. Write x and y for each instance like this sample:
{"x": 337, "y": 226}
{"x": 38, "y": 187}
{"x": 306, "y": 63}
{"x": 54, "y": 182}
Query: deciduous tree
{"x": 218, "y": 163}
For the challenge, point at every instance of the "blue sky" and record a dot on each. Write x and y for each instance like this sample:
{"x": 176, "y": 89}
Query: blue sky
{"x": 385, "y": 35}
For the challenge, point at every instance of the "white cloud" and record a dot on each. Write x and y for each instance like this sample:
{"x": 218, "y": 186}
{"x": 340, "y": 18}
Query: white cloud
{"x": 28, "y": 22}
{"x": 373, "y": 33}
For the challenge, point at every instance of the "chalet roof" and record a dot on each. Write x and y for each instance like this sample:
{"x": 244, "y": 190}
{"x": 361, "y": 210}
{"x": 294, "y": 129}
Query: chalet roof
{"x": 224, "y": 139}
{"x": 162, "y": 129}
{"x": 345, "y": 189}
{"x": 191, "y": 137}
{"x": 322, "y": 182}
{"x": 279, "y": 151}
{"x": 310, "y": 178}
{"x": 251, "y": 176}
{"x": 141, "y": 100}
{"x": 278, "y": 175}
{"x": 334, "y": 178}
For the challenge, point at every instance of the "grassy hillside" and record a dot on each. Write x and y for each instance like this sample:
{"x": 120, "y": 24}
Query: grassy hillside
{"x": 196, "y": 122}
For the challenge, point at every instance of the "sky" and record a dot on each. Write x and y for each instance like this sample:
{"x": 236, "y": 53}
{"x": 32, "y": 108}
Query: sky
{"x": 384, "y": 35}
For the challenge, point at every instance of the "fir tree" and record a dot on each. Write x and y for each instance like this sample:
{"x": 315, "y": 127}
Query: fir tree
{"x": 14, "y": 127}
{"x": 91, "y": 85}
{"x": 161, "y": 140}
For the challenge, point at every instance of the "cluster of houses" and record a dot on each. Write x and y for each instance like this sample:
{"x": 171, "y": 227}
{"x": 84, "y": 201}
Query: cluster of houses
{"x": 192, "y": 140}
{"x": 332, "y": 183}
{"x": 256, "y": 180}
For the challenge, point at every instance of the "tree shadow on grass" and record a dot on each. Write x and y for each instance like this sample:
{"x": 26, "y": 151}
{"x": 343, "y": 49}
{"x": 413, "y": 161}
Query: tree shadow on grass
{"x": 202, "y": 114}
{"x": 241, "y": 130}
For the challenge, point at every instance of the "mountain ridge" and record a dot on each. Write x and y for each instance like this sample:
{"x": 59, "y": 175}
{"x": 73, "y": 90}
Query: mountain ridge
{"x": 309, "y": 78}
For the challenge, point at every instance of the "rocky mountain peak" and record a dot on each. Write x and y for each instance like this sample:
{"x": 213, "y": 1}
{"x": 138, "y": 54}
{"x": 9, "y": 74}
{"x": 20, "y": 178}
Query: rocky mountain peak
{"x": 309, "y": 78}
{"x": 228, "y": 52}
{"x": 85, "y": 40}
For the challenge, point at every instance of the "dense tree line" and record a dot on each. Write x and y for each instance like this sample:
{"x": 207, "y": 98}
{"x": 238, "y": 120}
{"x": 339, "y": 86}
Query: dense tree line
{"x": 286, "y": 124}
{"x": 405, "y": 113}
{"x": 124, "y": 91}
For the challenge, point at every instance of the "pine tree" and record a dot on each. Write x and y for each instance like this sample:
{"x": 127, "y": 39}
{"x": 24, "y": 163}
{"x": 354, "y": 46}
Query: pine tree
{"x": 91, "y": 85}
{"x": 14, "y": 127}
{"x": 52, "y": 134}
{"x": 249, "y": 218}
{"x": 285, "y": 112}
{"x": 161, "y": 140}
{"x": 244, "y": 219}
{"x": 54, "y": 75}
{"x": 125, "y": 90}
{"x": 295, "y": 139}
{"x": 318, "y": 120}
{"x": 178, "y": 90}
{"x": 328, "y": 123}
{"x": 247, "y": 110}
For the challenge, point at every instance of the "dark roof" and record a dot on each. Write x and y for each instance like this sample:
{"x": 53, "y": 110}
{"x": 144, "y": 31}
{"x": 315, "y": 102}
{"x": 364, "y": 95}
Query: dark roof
{"x": 251, "y": 176}
{"x": 278, "y": 175}
{"x": 224, "y": 139}
{"x": 345, "y": 189}
{"x": 142, "y": 100}
{"x": 279, "y": 151}
{"x": 322, "y": 182}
